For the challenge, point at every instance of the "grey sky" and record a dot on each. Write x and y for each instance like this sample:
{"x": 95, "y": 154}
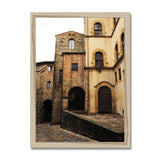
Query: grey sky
{"x": 47, "y": 28}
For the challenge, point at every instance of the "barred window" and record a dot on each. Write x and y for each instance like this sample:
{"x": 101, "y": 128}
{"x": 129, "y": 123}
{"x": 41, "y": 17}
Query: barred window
{"x": 98, "y": 29}
{"x": 71, "y": 44}
{"x": 74, "y": 66}
{"x": 49, "y": 84}
{"x": 98, "y": 59}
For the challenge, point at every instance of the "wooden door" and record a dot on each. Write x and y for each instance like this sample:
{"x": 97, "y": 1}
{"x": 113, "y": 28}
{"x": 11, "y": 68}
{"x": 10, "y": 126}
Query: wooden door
{"x": 104, "y": 100}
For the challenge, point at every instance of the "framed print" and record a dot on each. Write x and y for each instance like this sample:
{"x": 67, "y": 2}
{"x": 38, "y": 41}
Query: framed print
{"x": 80, "y": 80}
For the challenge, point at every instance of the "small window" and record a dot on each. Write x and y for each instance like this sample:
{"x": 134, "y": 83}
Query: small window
{"x": 71, "y": 44}
{"x": 74, "y": 66}
{"x": 60, "y": 76}
{"x": 49, "y": 84}
{"x": 119, "y": 70}
{"x": 115, "y": 76}
{"x": 49, "y": 68}
{"x": 98, "y": 29}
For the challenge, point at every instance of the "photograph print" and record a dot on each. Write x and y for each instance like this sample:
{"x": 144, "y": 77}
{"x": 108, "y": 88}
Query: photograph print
{"x": 80, "y": 81}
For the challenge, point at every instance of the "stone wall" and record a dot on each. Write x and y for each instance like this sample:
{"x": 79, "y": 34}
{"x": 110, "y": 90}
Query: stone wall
{"x": 73, "y": 122}
{"x": 43, "y": 93}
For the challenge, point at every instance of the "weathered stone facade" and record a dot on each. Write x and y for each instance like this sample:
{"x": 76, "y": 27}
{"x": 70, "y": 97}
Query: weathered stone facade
{"x": 62, "y": 46}
{"x": 72, "y": 78}
{"x": 44, "y": 74}
{"x": 82, "y": 80}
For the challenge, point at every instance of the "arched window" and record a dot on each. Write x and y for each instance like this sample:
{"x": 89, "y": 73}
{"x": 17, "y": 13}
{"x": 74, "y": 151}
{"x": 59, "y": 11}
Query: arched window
{"x": 71, "y": 44}
{"x": 122, "y": 41}
{"x": 98, "y": 59}
{"x": 98, "y": 29}
{"x": 116, "y": 50}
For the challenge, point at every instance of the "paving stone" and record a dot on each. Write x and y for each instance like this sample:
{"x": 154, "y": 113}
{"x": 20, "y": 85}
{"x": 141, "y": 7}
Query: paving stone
{"x": 53, "y": 133}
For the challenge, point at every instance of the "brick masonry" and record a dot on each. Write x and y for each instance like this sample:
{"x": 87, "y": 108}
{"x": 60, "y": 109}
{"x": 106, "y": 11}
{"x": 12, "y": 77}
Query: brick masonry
{"x": 72, "y": 78}
{"x": 62, "y": 46}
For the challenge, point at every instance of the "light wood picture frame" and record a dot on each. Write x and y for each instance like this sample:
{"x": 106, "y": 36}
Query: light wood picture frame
{"x": 127, "y": 84}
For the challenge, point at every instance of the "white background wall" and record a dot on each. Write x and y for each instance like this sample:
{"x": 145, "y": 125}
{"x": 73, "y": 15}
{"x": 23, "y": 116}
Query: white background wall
{"x": 47, "y": 28}
{"x": 15, "y": 78}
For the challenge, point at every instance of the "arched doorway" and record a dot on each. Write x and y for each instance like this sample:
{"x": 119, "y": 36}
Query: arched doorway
{"x": 76, "y": 99}
{"x": 47, "y": 108}
{"x": 104, "y": 100}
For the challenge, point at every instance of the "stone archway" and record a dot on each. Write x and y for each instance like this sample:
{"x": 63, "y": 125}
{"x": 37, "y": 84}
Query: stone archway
{"x": 76, "y": 99}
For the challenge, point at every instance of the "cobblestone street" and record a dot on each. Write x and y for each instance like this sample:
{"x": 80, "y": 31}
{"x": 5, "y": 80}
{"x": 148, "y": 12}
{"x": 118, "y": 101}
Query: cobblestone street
{"x": 53, "y": 133}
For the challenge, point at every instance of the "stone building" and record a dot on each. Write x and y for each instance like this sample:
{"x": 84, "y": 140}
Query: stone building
{"x": 72, "y": 44}
{"x": 44, "y": 89}
{"x": 104, "y": 51}
{"x": 88, "y": 70}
